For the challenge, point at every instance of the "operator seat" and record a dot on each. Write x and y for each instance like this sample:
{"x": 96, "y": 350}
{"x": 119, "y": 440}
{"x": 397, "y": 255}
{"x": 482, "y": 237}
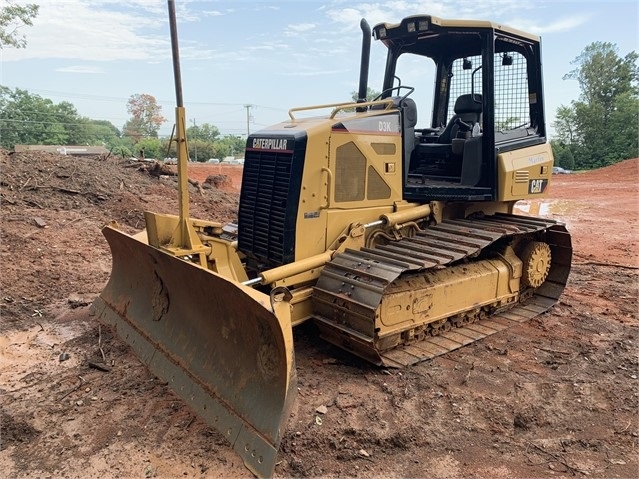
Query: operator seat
{"x": 468, "y": 109}
{"x": 445, "y": 158}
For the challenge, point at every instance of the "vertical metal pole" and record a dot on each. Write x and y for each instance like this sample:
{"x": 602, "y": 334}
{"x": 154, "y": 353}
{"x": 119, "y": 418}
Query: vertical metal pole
{"x": 175, "y": 55}
{"x": 183, "y": 237}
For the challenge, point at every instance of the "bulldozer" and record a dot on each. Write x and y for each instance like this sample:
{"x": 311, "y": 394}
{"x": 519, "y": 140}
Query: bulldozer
{"x": 399, "y": 240}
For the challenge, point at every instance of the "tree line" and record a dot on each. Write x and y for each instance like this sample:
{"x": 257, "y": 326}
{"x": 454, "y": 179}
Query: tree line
{"x": 27, "y": 118}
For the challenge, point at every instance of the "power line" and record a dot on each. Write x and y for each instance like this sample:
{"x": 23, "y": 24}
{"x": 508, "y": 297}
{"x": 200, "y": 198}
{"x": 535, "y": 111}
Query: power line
{"x": 12, "y": 120}
{"x": 89, "y": 96}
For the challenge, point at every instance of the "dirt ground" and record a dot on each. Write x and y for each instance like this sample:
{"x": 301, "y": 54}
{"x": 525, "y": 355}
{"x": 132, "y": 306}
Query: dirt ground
{"x": 554, "y": 397}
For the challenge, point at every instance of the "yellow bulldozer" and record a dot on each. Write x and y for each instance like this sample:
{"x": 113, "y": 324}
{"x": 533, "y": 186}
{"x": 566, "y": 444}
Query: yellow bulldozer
{"x": 397, "y": 238}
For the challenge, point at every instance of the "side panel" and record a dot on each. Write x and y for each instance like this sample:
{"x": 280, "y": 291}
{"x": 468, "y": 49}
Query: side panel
{"x": 352, "y": 174}
{"x": 311, "y": 220}
{"x": 524, "y": 173}
{"x": 366, "y": 162}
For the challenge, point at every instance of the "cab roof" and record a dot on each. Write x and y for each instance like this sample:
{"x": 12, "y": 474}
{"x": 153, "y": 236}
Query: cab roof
{"x": 431, "y": 36}
{"x": 431, "y": 22}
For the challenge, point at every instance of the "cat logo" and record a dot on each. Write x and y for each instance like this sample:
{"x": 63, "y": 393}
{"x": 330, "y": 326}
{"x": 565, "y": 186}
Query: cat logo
{"x": 537, "y": 186}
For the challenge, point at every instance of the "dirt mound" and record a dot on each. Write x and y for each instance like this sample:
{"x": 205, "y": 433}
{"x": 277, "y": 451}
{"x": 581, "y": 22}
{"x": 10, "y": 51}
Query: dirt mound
{"x": 624, "y": 171}
{"x": 58, "y": 182}
{"x": 233, "y": 175}
{"x": 53, "y": 207}
{"x": 601, "y": 210}
{"x": 219, "y": 181}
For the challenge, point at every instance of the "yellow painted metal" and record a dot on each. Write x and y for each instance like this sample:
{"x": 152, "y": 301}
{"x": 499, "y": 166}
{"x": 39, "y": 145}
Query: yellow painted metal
{"x": 180, "y": 237}
{"x": 321, "y": 220}
{"x": 437, "y": 295}
{"x": 337, "y": 107}
{"x": 176, "y": 292}
{"x": 292, "y": 269}
{"x": 537, "y": 259}
{"x": 316, "y": 182}
{"x": 184, "y": 238}
{"x": 404, "y": 216}
{"x": 524, "y": 173}
{"x": 301, "y": 305}
{"x": 363, "y": 145}
{"x": 224, "y": 260}
{"x": 187, "y": 324}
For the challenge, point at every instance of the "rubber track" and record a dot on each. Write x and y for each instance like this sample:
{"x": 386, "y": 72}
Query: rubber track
{"x": 354, "y": 282}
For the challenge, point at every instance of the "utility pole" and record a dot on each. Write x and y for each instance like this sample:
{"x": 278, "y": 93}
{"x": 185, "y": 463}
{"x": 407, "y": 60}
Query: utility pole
{"x": 248, "y": 117}
{"x": 195, "y": 139}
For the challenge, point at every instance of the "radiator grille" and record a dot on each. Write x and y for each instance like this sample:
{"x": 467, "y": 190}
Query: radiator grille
{"x": 268, "y": 204}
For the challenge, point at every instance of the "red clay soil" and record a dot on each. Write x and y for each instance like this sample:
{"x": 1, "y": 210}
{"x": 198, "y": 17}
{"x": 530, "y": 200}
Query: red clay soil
{"x": 229, "y": 176}
{"x": 554, "y": 397}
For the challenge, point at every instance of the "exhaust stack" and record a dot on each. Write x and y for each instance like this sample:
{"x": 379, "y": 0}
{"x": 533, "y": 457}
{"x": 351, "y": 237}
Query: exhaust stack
{"x": 364, "y": 63}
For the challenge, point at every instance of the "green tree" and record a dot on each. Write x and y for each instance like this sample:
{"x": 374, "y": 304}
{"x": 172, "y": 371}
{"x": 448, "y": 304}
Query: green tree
{"x": 204, "y": 132}
{"x": 76, "y": 128}
{"x": 229, "y": 145}
{"x": 152, "y": 148}
{"x": 507, "y": 123}
{"x": 204, "y": 149}
{"x": 103, "y": 132}
{"x": 370, "y": 94}
{"x": 563, "y": 154}
{"x": 26, "y": 118}
{"x": 602, "y": 126}
{"x": 12, "y": 18}
{"x": 29, "y": 119}
{"x": 122, "y": 149}
{"x": 169, "y": 150}
{"x": 564, "y": 125}
{"x": 202, "y": 140}
{"x": 146, "y": 117}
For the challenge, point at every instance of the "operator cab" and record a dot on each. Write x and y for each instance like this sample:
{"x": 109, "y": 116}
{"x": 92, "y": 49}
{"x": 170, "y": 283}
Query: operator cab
{"x": 487, "y": 100}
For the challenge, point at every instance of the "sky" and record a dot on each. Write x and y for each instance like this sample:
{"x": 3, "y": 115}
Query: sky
{"x": 257, "y": 59}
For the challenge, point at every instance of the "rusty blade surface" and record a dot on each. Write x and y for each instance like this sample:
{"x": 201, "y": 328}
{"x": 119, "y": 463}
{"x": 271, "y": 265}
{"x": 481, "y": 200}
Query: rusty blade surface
{"x": 220, "y": 345}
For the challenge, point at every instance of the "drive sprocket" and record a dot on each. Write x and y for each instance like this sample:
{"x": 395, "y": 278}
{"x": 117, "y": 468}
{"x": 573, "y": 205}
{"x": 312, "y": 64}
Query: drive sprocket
{"x": 536, "y": 258}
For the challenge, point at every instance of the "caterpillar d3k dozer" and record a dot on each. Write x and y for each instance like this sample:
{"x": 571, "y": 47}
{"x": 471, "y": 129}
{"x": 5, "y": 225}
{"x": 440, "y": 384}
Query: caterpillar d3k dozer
{"x": 399, "y": 241}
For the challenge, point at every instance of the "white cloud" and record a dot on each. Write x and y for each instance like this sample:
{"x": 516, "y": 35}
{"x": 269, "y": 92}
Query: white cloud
{"x": 298, "y": 29}
{"x": 267, "y": 46}
{"x": 302, "y": 27}
{"x": 212, "y": 13}
{"x": 95, "y": 30}
{"x": 558, "y": 26}
{"x": 80, "y": 69}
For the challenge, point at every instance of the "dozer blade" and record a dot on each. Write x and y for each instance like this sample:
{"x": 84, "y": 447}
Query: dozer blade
{"x": 224, "y": 348}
